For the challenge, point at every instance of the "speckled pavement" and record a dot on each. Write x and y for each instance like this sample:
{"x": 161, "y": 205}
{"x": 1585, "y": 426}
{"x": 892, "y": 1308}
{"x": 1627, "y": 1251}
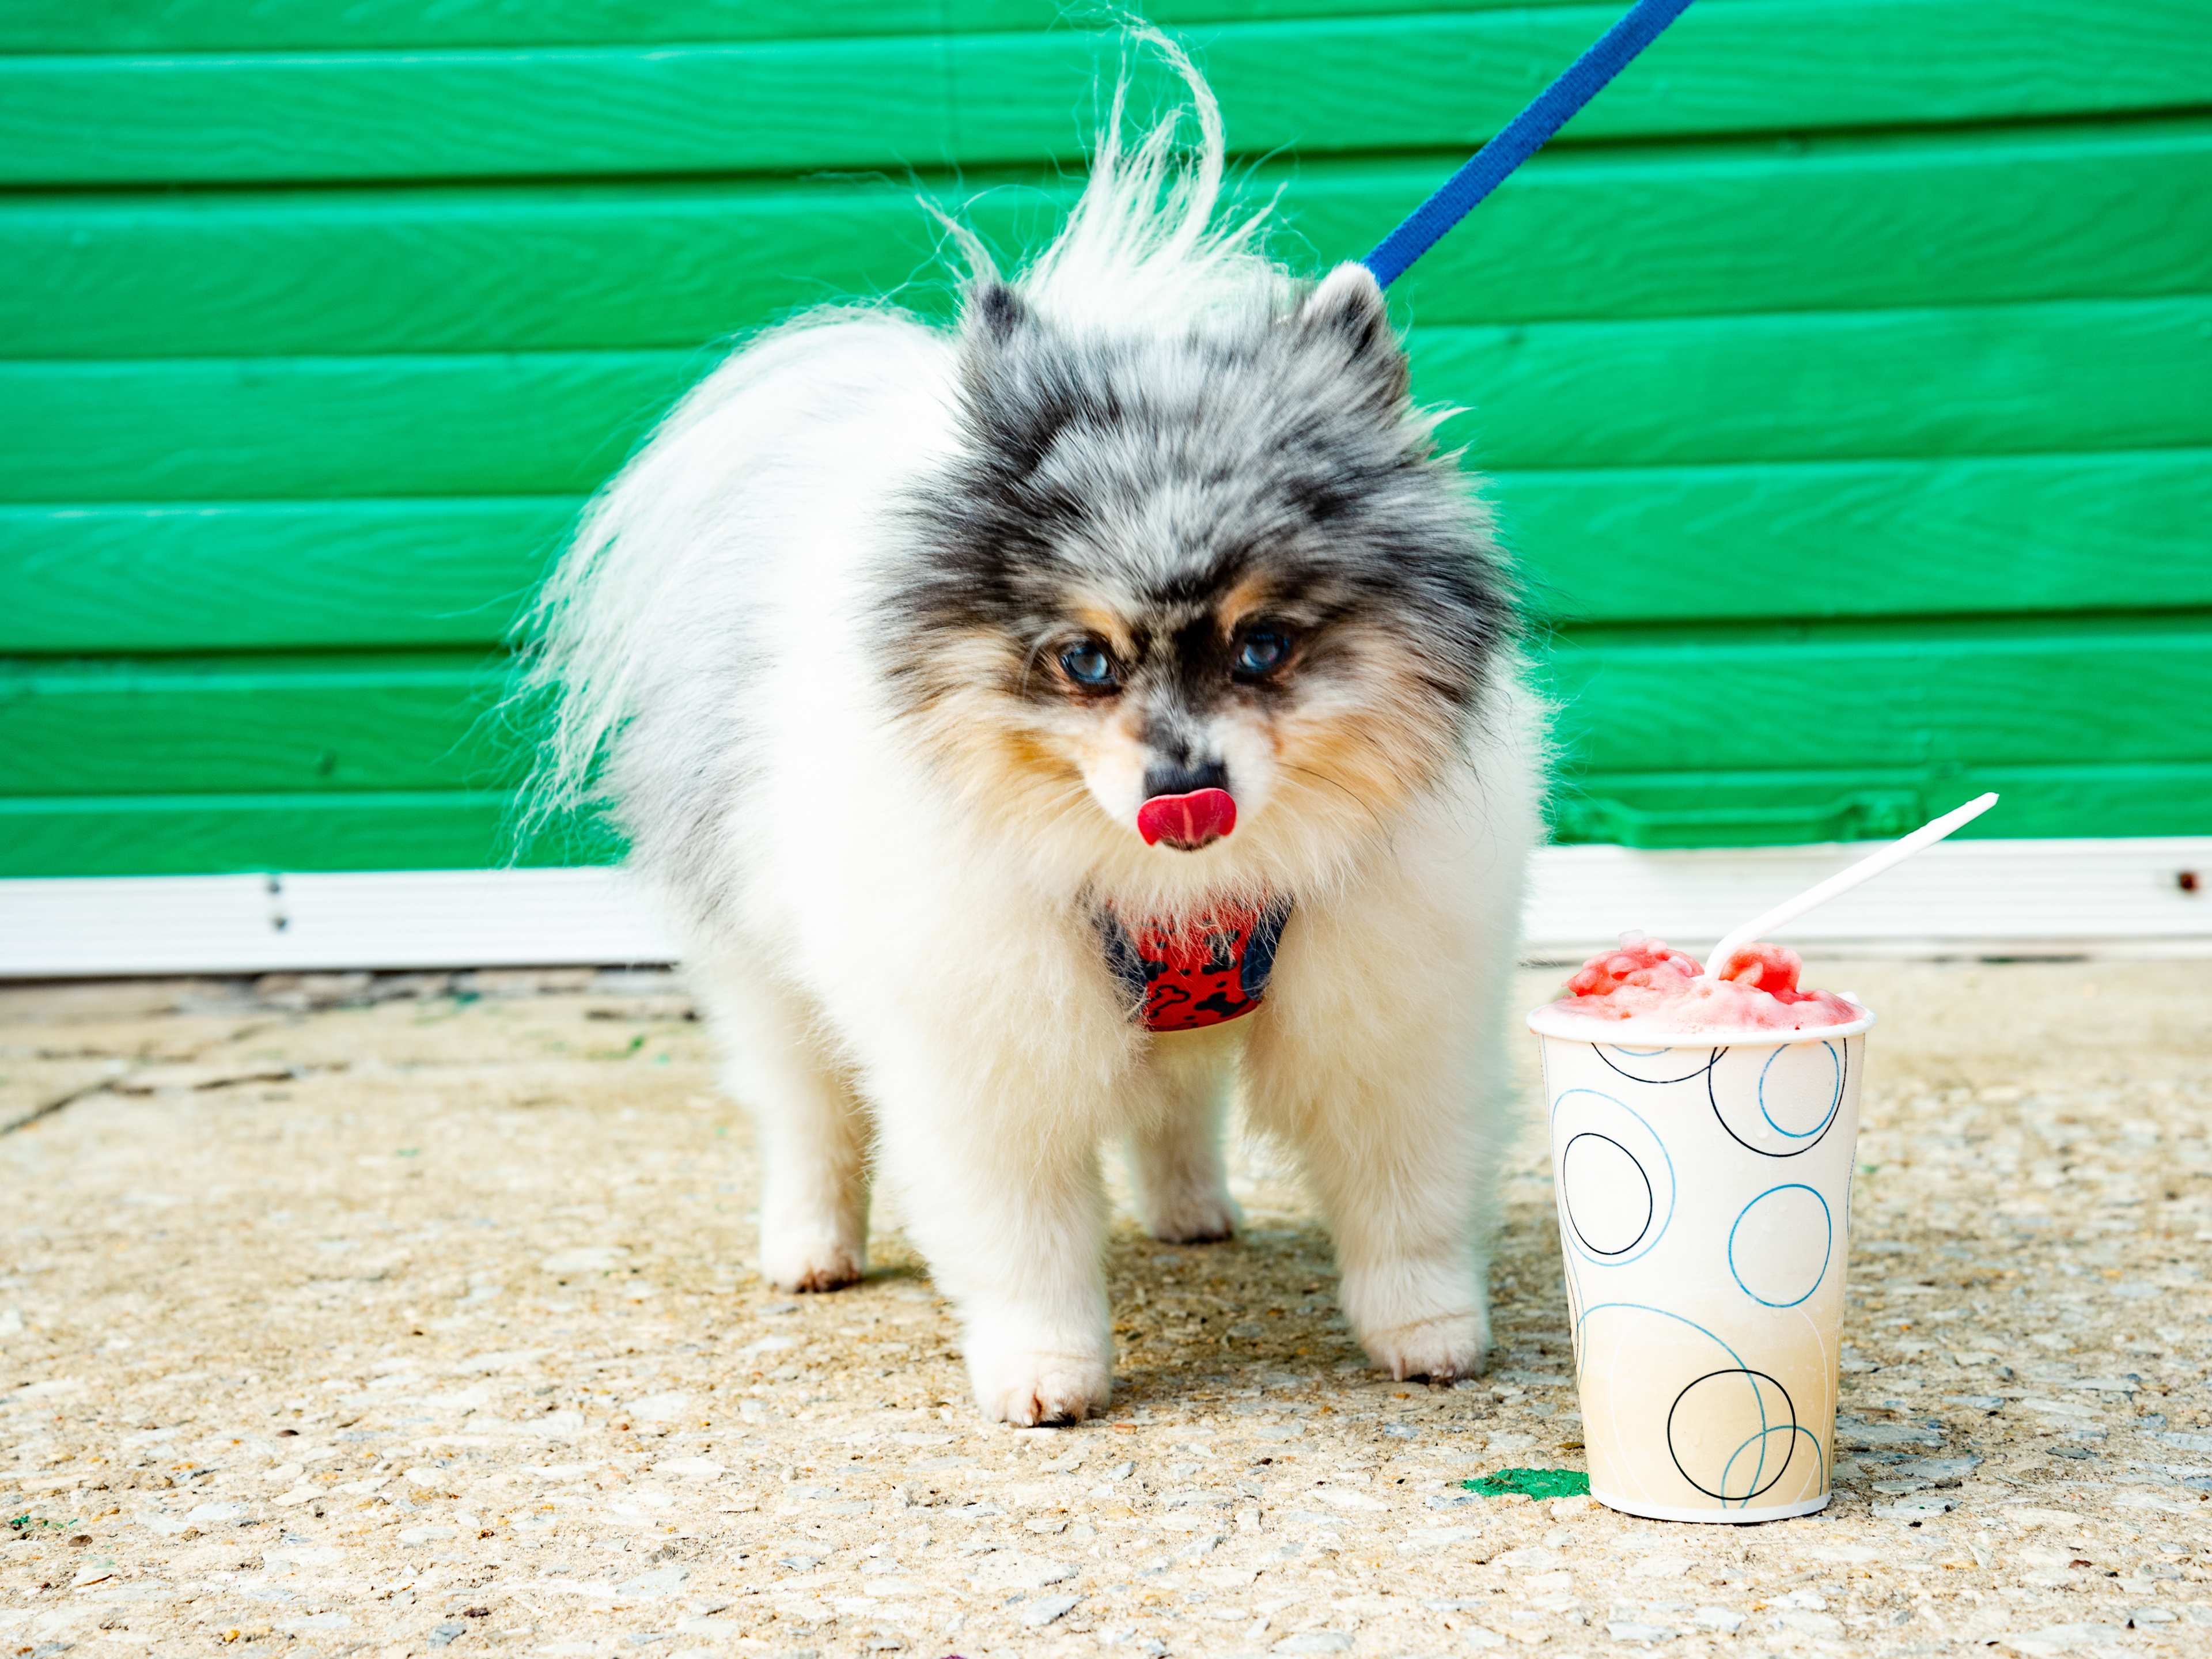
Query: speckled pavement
{"x": 349, "y": 1315}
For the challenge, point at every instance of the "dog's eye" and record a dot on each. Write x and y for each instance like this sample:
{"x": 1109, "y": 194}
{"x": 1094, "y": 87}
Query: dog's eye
{"x": 1089, "y": 665}
{"x": 1262, "y": 651}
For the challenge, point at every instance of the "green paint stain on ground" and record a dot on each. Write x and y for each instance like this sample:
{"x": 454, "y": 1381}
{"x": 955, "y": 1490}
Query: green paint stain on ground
{"x": 1538, "y": 1484}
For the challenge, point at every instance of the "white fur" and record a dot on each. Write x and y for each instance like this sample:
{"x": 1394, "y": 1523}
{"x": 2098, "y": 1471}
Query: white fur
{"x": 882, "y": 959}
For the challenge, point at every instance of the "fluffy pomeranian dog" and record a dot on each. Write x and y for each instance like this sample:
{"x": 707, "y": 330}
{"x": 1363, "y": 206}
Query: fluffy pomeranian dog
{"x": 1002, "y": 710}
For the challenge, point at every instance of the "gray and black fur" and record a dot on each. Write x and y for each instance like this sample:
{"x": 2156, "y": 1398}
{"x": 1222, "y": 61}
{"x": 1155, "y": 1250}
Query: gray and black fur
{"x": 1282, "y": 447}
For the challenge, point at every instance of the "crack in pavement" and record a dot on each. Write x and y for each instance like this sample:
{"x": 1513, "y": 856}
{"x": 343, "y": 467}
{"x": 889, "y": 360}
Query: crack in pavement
{"x": 40, "y": 1113}
{"x": 133, "y": 1069}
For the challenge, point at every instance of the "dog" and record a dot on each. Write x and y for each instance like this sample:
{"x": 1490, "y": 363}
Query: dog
{"x": 1036, "y": 726}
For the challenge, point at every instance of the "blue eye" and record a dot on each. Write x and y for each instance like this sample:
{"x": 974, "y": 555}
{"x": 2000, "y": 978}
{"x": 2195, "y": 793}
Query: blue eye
{"x": 1089, "y": 665}
{"x": 1262, "y": 651}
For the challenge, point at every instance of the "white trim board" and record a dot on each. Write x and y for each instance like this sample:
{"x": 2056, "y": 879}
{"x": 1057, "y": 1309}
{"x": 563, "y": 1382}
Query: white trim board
{"x": 2006, "y": 897}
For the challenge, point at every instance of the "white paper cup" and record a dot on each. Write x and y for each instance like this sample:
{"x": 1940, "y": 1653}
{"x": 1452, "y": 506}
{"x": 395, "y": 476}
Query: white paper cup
{"x": 1704, "y": 1186}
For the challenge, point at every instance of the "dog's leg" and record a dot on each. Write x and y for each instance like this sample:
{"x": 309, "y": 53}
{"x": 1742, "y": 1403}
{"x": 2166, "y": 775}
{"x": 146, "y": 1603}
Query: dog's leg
{"x": 1176, "y": 1159}
{"x": 1392, "y": 1148}
{"x": 1010, "y": 1212}
{"x": 991, "y": 1105}
{"x": 810, "y": 1129}
{"x": 1387, "y": 1085}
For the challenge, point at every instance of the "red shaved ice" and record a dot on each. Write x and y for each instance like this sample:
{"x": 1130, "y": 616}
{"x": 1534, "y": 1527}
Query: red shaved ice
{"x": 1646, "y": 982}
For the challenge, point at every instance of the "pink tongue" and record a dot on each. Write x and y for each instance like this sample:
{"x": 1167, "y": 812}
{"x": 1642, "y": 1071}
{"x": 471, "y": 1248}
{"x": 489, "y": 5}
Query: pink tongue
{"x": 1189, "y": 821}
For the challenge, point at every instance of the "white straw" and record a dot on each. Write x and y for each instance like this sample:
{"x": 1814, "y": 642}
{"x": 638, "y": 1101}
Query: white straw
{"x": 1843, "y": 880}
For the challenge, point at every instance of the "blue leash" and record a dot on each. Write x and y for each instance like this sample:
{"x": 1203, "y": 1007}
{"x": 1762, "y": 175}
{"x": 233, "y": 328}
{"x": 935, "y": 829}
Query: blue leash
{"x": 1521, "y": 137}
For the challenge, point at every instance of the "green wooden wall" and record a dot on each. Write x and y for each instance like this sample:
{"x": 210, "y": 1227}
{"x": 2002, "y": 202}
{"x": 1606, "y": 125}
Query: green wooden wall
{"x": 1845, "y": 372}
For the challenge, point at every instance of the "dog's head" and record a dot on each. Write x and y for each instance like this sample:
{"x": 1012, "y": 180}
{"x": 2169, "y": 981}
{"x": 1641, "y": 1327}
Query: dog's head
{"x": 1193, "y": 591}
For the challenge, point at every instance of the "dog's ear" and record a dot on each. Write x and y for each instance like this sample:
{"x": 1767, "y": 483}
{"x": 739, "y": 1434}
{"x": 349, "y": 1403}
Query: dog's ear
{"x": 994, "y": 313}
{"x": 1348, "y": 311}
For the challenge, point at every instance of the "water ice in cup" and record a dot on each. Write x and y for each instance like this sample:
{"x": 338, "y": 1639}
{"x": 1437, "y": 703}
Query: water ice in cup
{"x": 1646, "y": 982}
{"x": 1701, "y": 1133}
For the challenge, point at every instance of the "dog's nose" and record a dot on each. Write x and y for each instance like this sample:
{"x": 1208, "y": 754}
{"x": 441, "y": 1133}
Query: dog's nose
{"x": 1185, "y": 780}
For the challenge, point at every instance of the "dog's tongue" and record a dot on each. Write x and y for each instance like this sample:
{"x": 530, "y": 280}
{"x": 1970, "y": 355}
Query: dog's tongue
{"x": 1189, "y": 822}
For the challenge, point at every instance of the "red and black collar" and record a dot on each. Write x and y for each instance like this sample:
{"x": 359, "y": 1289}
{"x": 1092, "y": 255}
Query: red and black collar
{"x": 1182, "y": 974}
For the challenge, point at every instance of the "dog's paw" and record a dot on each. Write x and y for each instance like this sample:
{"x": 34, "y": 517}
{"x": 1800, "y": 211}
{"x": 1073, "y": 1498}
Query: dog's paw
{"x": 1442, "y": 1349}
{"x": 809, "y": 1260}
{"x": 1032, "y": 1388}
{"x": 1197, "y": 1215}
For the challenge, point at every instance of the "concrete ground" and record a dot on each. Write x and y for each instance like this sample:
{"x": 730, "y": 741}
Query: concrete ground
{"x": 386, "y": 1316}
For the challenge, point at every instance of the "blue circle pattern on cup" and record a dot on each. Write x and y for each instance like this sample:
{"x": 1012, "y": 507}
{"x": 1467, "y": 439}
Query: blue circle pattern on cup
{"x": 1636, "y": 1141}
{"x": 1835, "y": 1097}
{"x": 1736, "y": 1484}
{"x": 1827, "y": 1245}
{"x": 1783, "y": 1142}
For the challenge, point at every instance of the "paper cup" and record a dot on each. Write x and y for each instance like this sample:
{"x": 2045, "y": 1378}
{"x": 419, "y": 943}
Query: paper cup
{"x": 1704, "y": 1187}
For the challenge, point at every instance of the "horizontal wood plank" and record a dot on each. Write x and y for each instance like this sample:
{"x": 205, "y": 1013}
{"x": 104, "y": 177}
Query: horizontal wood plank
{"x": 189, "y": 835}
{"x": 2010, "y": 535}
{"x": 338, "y": 724}
{"x": 199, "y": 26}
{"x": 1883, "y": 694}
{"x": 217, "y": 429}
{"x": 1319, "y": 87}
{"x": 1836, "y": 695}
{"x": 1980, "y": 217}
{"x": 1796, "y": 66}
{"x": 1830, "y": 385}
{"x": 1977, "y": 218}
{"x": 38, "y": 25}
{"x": 269, "y": 575}
{"x": 1781, "y": 808}
{"x": 1810, "y": 387}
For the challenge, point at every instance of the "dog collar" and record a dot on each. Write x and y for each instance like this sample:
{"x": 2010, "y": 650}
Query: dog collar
{"x": 1203, "y": 969}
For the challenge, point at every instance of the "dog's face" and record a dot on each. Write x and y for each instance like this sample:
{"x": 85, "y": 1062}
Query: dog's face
{"x": 1161, "y": 568}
